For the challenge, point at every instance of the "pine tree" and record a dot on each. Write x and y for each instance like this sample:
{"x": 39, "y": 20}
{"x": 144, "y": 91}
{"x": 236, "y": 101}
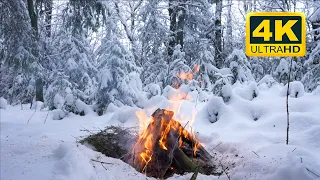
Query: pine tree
{"x": 179, "y": 72}
{"x": 19, "y": 53}
{"x": 117, "y": 69}
{"x": 73, "y": 66}
{"x": 240, "y": 66}
{"x": 153, "y": 36}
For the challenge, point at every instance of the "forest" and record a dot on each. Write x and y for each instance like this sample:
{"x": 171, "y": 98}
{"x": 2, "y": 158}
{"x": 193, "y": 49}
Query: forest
{"x": 106, "y": 52}
{"x": 70, "y": 64}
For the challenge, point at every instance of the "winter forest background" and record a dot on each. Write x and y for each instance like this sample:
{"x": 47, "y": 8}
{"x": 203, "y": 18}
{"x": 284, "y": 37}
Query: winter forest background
{"x": 111, "y": 52}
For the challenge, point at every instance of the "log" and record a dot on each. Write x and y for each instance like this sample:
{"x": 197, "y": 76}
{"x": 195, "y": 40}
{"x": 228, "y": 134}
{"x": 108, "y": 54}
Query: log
{"x": 166, "y": 147}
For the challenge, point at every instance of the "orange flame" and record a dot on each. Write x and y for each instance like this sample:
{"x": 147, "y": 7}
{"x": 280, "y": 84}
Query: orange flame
{"x": 175, "y": 104}
{"x": 189, "y": 76}
{"x": 186, "y": 76}
{"x": 164, "y": 134}
{"x": 146, "y": 156}
{"x": 196, "y": 68}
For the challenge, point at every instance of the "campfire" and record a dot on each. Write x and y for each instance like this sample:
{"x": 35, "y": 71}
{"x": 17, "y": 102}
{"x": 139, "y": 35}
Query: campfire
{"x": 166, "y": 147}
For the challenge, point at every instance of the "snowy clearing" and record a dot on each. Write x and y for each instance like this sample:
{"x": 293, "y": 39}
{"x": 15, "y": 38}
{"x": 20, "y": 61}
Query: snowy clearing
{"x": 248, "y": 137}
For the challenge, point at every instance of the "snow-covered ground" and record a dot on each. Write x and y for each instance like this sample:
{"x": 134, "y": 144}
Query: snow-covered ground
{"x": 248, "y": 138}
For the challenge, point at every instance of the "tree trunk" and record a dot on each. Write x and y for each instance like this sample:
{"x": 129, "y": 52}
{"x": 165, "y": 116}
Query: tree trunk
{"x": 245, "y": 6}
{"x": 181, "y": 21}
{"x": 315, "y": 24}
{"x": 173, "y": 22}
{"x": 254, "y": 5}
{"x": 218, "y": 34}
{"x": 286, "y": 5}
{"x": 48, "y": 16}
{"x": 228, "y": 45}
{"x": 39, "y": 90}
{"x": 33, "y": 17}
{"x": 34, "y": 25}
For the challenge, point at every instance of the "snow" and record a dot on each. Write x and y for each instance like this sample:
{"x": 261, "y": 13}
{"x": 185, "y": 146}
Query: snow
{"x": 315, "y": 17}
{"x": 248, "y": 137}
{"x": 71, "y": 64}
{"x": 214, "y": 107}
{"x": 82, "y": 107}
{"x": 317, "y": 90}
{"x": 282, "y": 67}
{"x": 266, "y": 82}
{"x": 58, "y": 101}
{"x": 69, "y": 99}
{"x": 152, "y": 89}
{"x": 296, "y": 89}
{"x": 247, "y": 92}
{"x": 226, "y": 92}
{"x": 37, "y": 105}
{"x": 3, "y": 103}
{"x": 58, "y": 114}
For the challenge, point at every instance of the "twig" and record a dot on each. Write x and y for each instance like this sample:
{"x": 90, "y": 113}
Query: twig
{"x": 294, "y": 149}
{"x": 77, "y": 139}
{"x": 312, "y": 172}
{"x": 287, "y": 140}
{"x": 224, "y": 170}
{"x": 102, "y": 162}
{"x": 255, "y": 153}
{"x": 195, "y": 174}
{"x": 32, "y": 115}
{"x": 87, "y": 130}
{"x": 216, "y": 146}
{"x": 45, "y": 120}
{"x": 103, "y": 166}
{"x": 282, "y": 8}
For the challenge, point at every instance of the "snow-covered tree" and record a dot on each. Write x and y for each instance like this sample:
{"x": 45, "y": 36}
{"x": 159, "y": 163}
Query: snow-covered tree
{"x": 19, "y": 52}
{"x": 72, "y": 57}
{"x": 153, "y": 36}
{"x": 76, "y": 58}
{"x": 179, "y": 72}
{"x": 240, "y": 66}
{"x": 119, "y": 81}
{"x": 282, "y": 71}
{"x": 311, "y": 79}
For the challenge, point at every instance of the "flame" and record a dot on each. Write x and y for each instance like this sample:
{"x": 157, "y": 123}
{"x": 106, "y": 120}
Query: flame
{"x": 164, "y": 134}
{"x": 147, "y": 125}
{"x": 166, "y": 126}
{"x": 143, "y": 120}
{"x": 180, "y": 142}
{"x": 189, "y": 76}
{"x": 195, "y": 148}
{"x": 146, "y": 156}
{"x": 196, "y": 68}
{"x": 186, "y": 76}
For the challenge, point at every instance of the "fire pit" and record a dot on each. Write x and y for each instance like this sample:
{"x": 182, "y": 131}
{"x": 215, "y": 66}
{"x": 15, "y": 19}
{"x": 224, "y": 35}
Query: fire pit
{"x": 166, "y": 147}
{"x": 163, "y": 148}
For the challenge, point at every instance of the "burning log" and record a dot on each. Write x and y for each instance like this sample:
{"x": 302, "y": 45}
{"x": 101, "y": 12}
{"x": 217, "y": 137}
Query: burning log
{"x": 166, "y": 147}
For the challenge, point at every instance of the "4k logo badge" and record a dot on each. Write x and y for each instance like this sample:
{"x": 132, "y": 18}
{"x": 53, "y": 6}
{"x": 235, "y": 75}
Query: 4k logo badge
{"x": 275, "y": 34}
